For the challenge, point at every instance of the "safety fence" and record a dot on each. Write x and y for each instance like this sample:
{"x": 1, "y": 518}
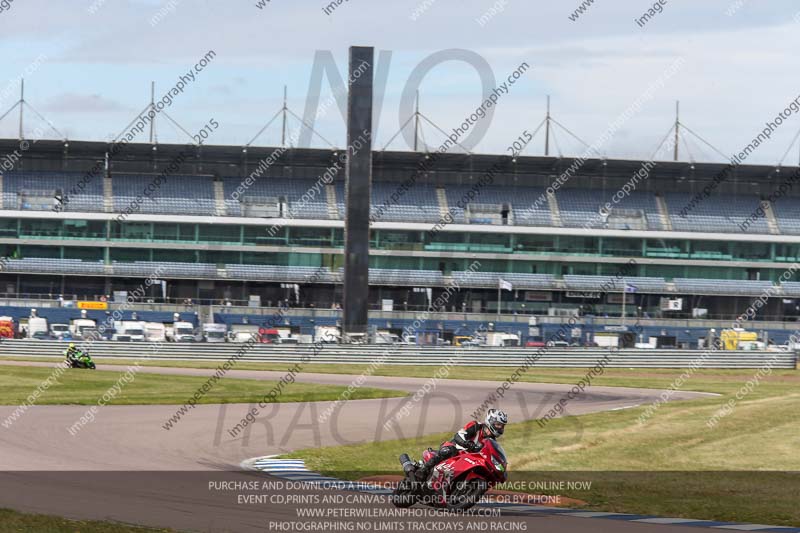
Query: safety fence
{"x": 410, "y": 355}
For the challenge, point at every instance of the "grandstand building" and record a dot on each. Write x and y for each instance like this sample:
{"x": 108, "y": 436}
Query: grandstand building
{"x": 228, "y": 223}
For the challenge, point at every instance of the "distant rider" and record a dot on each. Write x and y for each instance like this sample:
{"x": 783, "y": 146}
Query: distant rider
{"x": 469, "y": 438}
{"x": 73, "y": 353}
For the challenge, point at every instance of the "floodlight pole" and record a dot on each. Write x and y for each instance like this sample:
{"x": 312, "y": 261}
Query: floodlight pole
{"x": 21, "y": 105}
{"x": 152, "y": 106}
{"x": 677, "y": 127}
{"x": 547, "y": 129}
{"x": 283, "y": 128}
{"x": 416, "y": 123}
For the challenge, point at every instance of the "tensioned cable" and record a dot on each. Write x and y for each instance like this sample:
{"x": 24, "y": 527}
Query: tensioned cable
{"x": 267, "y": 125}
{"x": 555, "y": 141}
{"x": 43, "y": 118}
{"x": 303, "y": 122}
{"x": 794, "y": 140}
{"x": 725, "y": 157}
{"x": 180, "y": 127}
{"x": 569, "y": 132}
{"x": 658, "y": 148}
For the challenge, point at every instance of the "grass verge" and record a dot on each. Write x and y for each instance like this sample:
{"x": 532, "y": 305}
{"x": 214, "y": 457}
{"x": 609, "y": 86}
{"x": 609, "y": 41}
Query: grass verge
{"x": 744, "y": 469}
{"x": 646, "y": 378}
{"x": 85, "y": 387}
{"x": 14, "y": 522}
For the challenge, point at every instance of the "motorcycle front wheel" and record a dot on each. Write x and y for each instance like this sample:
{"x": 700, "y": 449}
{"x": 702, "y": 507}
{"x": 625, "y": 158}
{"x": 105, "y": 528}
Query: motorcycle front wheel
{"x": 466, "y": 494}
{"x": 403, "y": 496}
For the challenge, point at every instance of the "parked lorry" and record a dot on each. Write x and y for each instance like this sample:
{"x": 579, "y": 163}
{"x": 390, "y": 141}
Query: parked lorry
{"x": 386, "y": 337}
{"x": 60, "y": 331}
{"x": 37, "y": 328}
{"x": 498, "y": 338}
{"x": 132, "y": 330}
{"x": 181, "y": 331}
{"x": 276, "y": 336}
{"x": 214, "y": 332}
{"x": 243, "y": 332}
{"x": 269, "y": 336}
{"x": 155, "y": 332}
{"x": 327, "y": 334}
{"x": 80, "y": 325}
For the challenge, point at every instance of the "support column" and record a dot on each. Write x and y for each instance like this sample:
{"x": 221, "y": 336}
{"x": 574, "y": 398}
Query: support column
{"x": 358, "y": 186}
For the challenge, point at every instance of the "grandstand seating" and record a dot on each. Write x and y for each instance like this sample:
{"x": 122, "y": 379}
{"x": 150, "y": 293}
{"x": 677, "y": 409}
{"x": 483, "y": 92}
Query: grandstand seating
{"x": 175, "y": 195}
{"x": 787, "y": 213}
{"x": 417, "y": 278}
{"x": 164, "y": 268}
{"x": 723, "y": 214}
{"x": 528, "y": 206}
{"x": 491, "y": 280}
{"x": 791, "y": 288}
{"x": 415, "y": 204}
{"x": 37, "y": 191}
{"x": 66, "y": 266}
{"x": 303, "y": 198}
{"x": 401, "y": 277}
{"x": 294, "y": 274}
{"x": 580, "y": 207}
{"x": 300, "y": 198}
{"x": 614, "y": 283}
{"x": 722, "y": 286}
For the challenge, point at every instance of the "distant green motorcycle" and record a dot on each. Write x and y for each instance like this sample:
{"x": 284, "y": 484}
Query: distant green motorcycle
{"x": 80, "y": 360}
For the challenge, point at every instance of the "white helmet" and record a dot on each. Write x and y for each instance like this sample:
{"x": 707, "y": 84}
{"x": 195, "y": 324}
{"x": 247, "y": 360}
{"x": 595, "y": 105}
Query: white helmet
{"x": 496, "y": 421}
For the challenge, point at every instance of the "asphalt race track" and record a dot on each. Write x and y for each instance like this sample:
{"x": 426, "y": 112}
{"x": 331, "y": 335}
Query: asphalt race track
{"x": 125, "y": 466}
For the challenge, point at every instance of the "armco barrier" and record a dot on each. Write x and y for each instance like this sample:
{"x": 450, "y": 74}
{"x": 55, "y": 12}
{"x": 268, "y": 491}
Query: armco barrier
{"x": 411, "y": 355}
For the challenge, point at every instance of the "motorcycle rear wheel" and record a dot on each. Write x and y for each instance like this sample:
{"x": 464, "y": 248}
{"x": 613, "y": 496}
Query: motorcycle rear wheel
{"x": 466, "y": 494}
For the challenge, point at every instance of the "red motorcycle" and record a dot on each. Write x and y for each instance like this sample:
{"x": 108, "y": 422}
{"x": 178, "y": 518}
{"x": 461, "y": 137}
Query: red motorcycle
{"x": 456, "y": 483}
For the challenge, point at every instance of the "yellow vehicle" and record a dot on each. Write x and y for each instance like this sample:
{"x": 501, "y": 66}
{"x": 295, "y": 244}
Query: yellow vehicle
{"x": 739, "y": 339}
{"x": 458, "y": 339}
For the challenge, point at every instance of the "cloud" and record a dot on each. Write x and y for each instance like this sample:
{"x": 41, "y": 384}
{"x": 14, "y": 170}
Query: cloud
{"x": 737, "y": 72}
{"x": 83, "y": 103}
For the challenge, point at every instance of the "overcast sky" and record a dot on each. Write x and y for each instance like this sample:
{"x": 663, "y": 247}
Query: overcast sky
{"x": 94, "y": 68}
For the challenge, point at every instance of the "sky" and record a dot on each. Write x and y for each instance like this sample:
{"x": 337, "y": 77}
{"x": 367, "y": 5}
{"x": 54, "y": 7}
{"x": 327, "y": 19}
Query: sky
{"x": 88, "y": 65}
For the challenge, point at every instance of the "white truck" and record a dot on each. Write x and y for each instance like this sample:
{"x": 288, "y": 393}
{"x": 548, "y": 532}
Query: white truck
{"x": 327, "y": 334}
{"x": 80, "y": 325}
{"x": 57, "y": 331}
{"x": 498, "y": 338}
{"x": 214, "y": 332}
{"x": 37, "y": 328}
{"x": 155, "y": 332}
{"x": 132, "y": 330}
{"x": 182, "y": 332}
{"x": 386, "y": 337}
{"x": 243, "y": 332}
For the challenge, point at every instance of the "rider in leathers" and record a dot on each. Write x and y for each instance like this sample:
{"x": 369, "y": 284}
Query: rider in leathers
{"x": 469, "y": 438}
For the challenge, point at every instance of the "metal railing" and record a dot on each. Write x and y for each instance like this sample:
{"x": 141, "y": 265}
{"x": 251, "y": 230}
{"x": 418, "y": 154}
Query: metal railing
{"x": 410, "y": 355}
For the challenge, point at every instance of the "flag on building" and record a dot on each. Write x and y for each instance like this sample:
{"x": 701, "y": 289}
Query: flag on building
{"x": 503, "y": 284}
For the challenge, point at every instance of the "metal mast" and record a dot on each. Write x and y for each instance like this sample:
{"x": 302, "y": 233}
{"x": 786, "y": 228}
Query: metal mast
{"x": 547, "y": 129}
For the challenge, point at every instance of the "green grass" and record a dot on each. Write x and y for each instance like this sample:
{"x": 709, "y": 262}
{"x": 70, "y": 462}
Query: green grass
{"x": 654, "y": 378}
{"x": 14, "y": 522}
{"x": 85, "y": 387}
{"x": 671, "y": 465}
